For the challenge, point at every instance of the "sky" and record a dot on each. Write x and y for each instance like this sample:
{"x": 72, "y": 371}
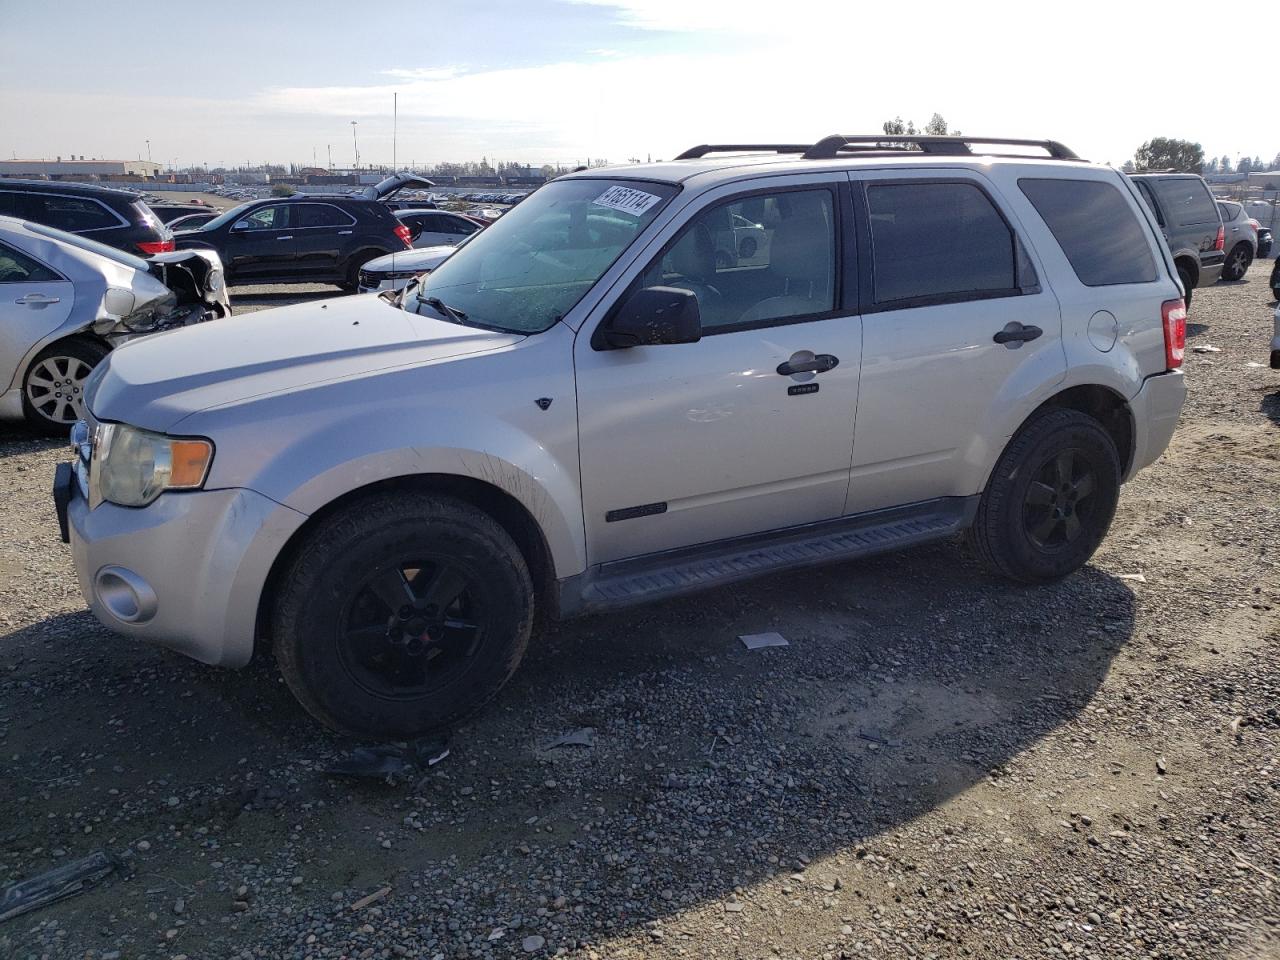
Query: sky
{"x": 564, "y": 81}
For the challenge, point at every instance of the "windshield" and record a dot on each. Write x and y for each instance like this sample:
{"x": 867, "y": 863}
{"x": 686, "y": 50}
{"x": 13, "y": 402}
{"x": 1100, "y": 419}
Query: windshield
{"x": 225, "y": 218}
{"x": 93, "y": 246}
{"x": 527, "y": 270}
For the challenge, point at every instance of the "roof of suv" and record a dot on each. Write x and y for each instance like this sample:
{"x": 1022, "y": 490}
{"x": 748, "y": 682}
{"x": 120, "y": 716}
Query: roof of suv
{"x": 63, "y": 186}
{"x": 731, "y": 161}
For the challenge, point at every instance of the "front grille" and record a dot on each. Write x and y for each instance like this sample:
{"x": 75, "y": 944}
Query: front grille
{"x": 368, "y": 279}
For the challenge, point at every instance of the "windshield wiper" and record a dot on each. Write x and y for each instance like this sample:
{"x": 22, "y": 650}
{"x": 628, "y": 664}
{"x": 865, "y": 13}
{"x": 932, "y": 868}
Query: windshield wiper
{"x": 457, "y": 316}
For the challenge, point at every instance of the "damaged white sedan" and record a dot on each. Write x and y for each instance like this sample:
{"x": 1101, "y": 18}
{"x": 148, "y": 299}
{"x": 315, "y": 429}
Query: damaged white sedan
{"x": 66, "y": 301}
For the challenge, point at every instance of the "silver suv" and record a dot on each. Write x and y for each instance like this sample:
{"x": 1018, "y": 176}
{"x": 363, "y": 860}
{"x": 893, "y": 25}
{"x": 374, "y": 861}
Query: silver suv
{"x": 583, "y": 410}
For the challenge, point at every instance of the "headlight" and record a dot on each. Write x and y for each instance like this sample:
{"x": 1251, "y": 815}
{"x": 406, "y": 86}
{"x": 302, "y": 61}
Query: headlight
{"x": 132, "y": 467}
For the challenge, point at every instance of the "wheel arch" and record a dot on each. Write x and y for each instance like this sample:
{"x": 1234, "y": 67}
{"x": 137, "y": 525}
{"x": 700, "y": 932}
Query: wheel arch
{"x": 1105, "y": 405}
{"x": 513, "y": 516}
{"x": 1190, "y": 264}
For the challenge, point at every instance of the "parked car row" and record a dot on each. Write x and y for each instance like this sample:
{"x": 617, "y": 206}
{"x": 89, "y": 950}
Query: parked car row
{"x": 67, "y": 300}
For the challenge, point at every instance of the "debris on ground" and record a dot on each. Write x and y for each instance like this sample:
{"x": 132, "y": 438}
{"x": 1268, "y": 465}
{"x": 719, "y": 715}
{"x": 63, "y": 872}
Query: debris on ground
{"x": 878, "y": 738}
{"x": 755, "y": 641}
{"x": 1206, "y": 348}
{"x": 582, "y": 737}
{"x": 389, "y": 761}
{"x": 57, "y": 884}
{"x": 1135, "y": 577}
{"x": 370, "y": 899}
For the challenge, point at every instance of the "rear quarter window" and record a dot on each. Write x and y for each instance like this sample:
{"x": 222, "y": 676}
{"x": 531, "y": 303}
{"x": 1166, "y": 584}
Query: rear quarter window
{"x": 1096, "y": 229}
{"x": 1187, "y": 201}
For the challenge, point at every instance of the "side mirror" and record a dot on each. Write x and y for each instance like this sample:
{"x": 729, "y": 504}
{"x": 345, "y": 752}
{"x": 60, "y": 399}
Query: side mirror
{"x": 242, "y": 225}
{"x": 653, "y": 316}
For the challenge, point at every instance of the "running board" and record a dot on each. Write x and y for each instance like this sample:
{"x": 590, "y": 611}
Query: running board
{"x": 688, "y": 570}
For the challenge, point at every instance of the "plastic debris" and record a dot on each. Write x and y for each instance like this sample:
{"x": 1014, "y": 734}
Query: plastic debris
{"x": 388, "y": 761}
{"x": 1206, "y": 348}
{"x": 756, "y": 641}
{"x": 370, "y": 899}
{"x": 1135, "y": 577}
{"x": 57, "y": 884}
{"x": 878, "y": 738}
{"x": 582, "y": 737}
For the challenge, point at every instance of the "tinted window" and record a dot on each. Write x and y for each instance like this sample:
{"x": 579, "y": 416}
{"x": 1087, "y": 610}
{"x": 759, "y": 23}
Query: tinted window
{"x": 743, "y": 269}
{"x": 456, "y": 226}
{"x": 16, "y": 267}
{"x": 1229, "y": 210}
{"x": 265, "y": 218}
{"x": 1186, "y": 200}
{"x": 11, "y": 204}
{"x": 938, "y": 240}
{"x": 71, "y": 213}
{"x": 1095, "y": 228}
{"x": 319, "y": 215}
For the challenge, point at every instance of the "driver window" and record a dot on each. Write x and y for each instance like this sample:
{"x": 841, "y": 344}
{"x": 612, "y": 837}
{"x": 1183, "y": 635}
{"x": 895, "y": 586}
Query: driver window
{"x": 759, "y": 259}
{"x": 265, "y": 218}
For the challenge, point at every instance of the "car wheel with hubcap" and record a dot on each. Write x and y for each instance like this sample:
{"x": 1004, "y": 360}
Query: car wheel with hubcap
{"x": 1238, "y": 261}
{"x": 402, "y": 613}
{"x": 53, "y": 388}
{"x": 1050, "y": 499}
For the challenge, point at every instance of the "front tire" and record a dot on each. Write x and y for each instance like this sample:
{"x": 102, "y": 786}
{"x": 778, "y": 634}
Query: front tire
{"x": 53, "y": 387}
{"x": 402, "y": 613}
{"x": 1238, "y": 261}
{"x": 1050, "y": 499}
{"x": 352, "y": 281}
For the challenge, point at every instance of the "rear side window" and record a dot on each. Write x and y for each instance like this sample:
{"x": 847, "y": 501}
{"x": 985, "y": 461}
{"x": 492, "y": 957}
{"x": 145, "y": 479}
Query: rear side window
{"x": 1229, "y": 210}
{"x": 1095, "y": 228}
{"x": 1186, "y": 201}
{"x": 319, "y": 215}
{"x": 17, "y": 267}
{"x": 73, "y": 214}
{"x": 939, "y": 242}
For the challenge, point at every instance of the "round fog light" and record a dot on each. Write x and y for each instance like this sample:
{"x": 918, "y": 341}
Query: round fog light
{"x": 125, "y": 595}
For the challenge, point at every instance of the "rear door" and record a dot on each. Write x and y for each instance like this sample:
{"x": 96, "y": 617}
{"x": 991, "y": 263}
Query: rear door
{"x": 958, "y": 334}
{"x": 1191, "y": 215}
{"x": 321, "y": 232}
{"x": 261, "y": 244}
{"x": 34, "y": 301}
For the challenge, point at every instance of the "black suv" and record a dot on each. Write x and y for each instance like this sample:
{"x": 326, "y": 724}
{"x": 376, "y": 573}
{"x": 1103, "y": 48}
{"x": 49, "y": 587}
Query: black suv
{"x": 117, "y": 218}
{"x": 300, "y": 239}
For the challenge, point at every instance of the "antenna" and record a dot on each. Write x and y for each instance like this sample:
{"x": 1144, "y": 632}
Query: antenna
{"x": 395, "y": 117}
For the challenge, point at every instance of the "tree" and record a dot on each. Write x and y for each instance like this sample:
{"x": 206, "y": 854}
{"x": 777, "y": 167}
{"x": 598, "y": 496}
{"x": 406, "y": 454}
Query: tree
{"x": 1275, "y": 164}
{"x": 1244, "y": 166}
{"x": 1128, "y": 166}
{"x": 1163, "y": 153}
{"x": 282, "y": 190}
{"x": 897, "y": 126}
{"x": 1226, "y": 163}
{"x": 1211, "y": 166}
{"x": 937, "y": 127}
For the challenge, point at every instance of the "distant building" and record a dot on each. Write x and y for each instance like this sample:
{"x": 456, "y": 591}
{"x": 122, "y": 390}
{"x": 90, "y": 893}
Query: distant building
{"x": 78, "y": 168}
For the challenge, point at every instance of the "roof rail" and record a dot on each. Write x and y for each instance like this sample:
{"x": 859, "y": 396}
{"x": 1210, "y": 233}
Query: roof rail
{"x": 703, "y": 149}
{"x": 833, "y": 146}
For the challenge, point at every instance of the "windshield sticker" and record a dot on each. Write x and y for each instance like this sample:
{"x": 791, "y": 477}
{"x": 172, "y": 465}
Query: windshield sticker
{"x": 634, "y": 202}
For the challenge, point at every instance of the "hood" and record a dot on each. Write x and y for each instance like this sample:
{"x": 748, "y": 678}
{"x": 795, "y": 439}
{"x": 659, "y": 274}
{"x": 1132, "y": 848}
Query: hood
{"x": 421, "y": 258}
{"x": 155, "y": 381}
{"x": 385, "y": 188}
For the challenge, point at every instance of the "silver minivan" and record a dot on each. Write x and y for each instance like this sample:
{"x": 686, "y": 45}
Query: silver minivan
{"x": 585, "y": 408}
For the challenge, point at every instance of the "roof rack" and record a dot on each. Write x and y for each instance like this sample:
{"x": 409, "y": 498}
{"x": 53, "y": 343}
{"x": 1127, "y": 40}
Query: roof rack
{"x": 833, "y": 146}
{"x": 703, "y": 149}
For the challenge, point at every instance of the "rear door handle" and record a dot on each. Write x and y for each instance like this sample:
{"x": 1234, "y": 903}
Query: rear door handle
{"x": 289, "y": 237}
{"x": 344, "y": 233}
{"x": 37, "y": 300}
{"x": 803, "y": 361}
{"x": 1015, "y": 334}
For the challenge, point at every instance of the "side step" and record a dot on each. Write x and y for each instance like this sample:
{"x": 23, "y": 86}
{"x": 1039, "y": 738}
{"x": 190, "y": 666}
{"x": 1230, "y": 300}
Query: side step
{"x": 677, "y": 572}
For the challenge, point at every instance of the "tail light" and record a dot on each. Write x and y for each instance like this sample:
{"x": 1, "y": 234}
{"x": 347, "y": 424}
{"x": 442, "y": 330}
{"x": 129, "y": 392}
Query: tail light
{"x": 1174, "y": 315}
{"x": 156, "y": 246}
{"x": 1255, "y": 225}
{"x": 403, "y": 233}
{"x": 1221, "y": 240}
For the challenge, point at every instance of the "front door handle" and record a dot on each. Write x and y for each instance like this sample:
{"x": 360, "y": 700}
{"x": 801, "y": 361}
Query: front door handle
{"x": 804, "y": 361}
{"x": 289, "y": 237}
{"x": 344, "y": 233}
{"x": 37, "y": 300}
{"x": 1015, "y": 334}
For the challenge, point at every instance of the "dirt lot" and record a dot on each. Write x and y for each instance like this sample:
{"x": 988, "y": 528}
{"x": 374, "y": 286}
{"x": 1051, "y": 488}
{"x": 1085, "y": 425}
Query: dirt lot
{"x": 939, "y": 765}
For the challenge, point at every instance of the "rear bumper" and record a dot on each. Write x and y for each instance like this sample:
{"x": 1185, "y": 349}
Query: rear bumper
{"x": 1211, "y": 270}
{"x": 1156, "y": 408}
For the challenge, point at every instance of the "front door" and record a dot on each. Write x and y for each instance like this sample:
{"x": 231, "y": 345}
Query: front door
{"x": 261, "y": 244}
{"x": 957, "y": 333}
{"x": 749, "y": 429}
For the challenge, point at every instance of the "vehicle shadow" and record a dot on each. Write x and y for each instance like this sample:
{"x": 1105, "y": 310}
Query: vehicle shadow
{"x": 1270, "y": 405}
{"x": 909, "y": 681}
{"x": 18, "y": 438}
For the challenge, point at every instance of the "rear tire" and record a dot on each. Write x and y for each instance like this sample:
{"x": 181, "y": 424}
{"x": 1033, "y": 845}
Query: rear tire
{"x": 1050, "y": 499}
{"x": 53, "y": 386}
{"x": 1187, "y": 286}
{"x": 402, "y": 613}
{"x": 1238, "y": 262}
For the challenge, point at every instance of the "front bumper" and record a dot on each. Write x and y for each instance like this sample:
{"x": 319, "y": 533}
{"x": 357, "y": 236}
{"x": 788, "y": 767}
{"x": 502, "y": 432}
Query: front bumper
{"x": 377, "y": 282}
{"x": 186, "y": 572}
{"x": 1156, "y": 408}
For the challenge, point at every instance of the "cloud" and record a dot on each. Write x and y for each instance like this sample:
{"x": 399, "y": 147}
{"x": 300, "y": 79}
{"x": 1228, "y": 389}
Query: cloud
{"x": 422, "y": 73}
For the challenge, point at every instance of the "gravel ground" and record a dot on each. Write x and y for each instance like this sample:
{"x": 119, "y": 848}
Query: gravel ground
{"x": 939, "y": 765}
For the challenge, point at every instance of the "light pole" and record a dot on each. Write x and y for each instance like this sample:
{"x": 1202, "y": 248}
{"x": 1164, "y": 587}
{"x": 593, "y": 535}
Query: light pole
{"x": 355, "y": 145}
{"x": 148, "y": 151}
